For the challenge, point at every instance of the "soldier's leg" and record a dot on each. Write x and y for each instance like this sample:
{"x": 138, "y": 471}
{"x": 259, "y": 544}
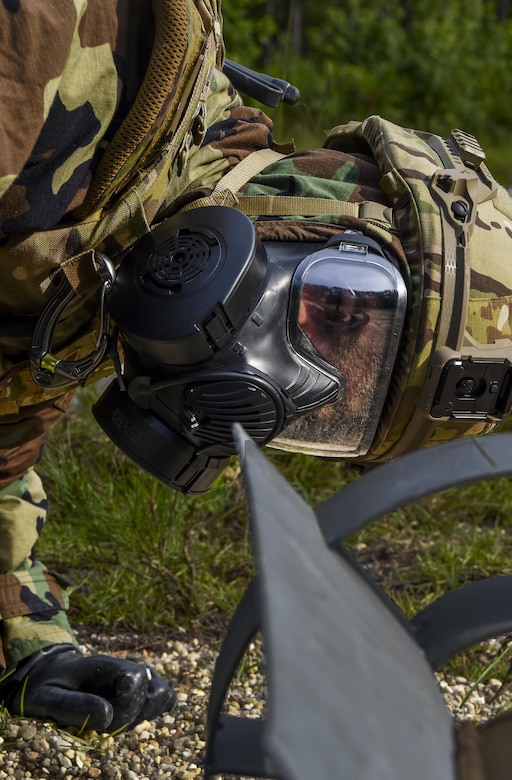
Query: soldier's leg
{"x": 48, "y": 676}
{"x": 32, "y": 600}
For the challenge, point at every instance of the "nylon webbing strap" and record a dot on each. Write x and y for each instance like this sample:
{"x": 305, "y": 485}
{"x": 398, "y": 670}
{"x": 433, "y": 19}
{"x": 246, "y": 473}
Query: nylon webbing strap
{"x": 226, "y": 189}
{"x": 80, "y": 273}
{"x": 285, "y": 205}
{"x": 289, "y": 206}
{"x": 250, "y": 166}
{"x": 224, "y": 192}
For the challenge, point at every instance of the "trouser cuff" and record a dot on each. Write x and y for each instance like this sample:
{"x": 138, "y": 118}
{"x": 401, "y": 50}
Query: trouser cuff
{"x": 32, "y": 609}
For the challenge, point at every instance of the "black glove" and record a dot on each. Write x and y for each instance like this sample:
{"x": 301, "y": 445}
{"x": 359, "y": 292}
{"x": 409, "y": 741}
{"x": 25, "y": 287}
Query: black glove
{"x": 96, "y": 692}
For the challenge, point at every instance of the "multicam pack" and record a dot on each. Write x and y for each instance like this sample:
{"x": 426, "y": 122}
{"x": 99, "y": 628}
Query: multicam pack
{"x": 450, "y": 224}
{"x": 454, "y": 221}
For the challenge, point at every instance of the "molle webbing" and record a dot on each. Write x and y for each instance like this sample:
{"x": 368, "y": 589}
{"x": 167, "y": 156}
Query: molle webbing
{"x": 464, "y": 182}
{"x": 225, "y": 191}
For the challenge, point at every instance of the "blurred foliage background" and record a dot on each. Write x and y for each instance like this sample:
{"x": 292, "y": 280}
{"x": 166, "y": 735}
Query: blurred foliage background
{"x": 428, "y": 64}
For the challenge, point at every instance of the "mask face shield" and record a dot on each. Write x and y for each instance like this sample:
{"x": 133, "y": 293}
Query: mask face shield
{"x": 347, "y": 305}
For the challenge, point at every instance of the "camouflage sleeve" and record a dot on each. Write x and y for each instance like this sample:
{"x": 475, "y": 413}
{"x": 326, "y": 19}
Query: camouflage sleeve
{"x": 33, "y": 604}
{"x": 69, "y": 72}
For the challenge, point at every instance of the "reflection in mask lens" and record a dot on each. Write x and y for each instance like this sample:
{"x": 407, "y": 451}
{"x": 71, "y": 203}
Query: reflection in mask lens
{"x": 348, "y": 313}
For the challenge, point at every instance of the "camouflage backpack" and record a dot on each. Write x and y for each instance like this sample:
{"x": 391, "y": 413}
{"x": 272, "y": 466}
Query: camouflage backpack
{"x": 455, "y": 225}
{"x": 450, "y": 224}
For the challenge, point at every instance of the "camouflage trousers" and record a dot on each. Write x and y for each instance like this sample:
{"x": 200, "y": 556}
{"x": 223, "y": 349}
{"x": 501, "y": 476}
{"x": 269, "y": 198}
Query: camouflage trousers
{"x": 33, "y": 601}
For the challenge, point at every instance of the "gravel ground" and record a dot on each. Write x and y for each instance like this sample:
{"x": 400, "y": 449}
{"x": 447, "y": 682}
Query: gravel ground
{"x": 173, "y": 745}
{"x": 170, "y": 747}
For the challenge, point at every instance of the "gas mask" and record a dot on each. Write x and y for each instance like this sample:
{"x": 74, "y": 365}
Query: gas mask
{"x": 295, "y": 341}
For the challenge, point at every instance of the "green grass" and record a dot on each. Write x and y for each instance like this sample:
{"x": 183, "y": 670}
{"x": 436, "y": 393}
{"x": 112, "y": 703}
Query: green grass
{"x": 143, "y": 556}
{"x": 138, "y": 553}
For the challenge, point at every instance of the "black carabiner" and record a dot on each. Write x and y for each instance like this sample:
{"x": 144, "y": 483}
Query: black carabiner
{"x": 46, "y": 369}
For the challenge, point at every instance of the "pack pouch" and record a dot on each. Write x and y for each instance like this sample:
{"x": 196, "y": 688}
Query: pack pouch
{"x": 454, "y": 222}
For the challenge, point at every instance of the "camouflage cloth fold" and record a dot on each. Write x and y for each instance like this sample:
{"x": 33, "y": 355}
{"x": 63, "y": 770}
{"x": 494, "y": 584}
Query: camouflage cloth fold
{"x": 41, "y": 598}
{"x": 22, "y": 436}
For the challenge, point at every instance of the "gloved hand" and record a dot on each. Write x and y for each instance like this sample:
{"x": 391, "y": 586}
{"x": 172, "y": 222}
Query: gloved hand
{"x": 97, "y": 692}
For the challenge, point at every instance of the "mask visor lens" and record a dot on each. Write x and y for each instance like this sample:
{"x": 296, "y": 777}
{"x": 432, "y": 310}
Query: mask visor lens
{"x": 347, "y": 310}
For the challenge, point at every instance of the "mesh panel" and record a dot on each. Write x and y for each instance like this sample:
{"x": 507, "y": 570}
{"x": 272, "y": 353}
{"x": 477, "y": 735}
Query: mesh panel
{"x": 177, "y": 40}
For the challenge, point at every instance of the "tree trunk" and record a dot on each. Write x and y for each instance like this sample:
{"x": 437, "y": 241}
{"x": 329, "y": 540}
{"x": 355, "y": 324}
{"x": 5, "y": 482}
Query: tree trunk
{"x": 296, "y": 25}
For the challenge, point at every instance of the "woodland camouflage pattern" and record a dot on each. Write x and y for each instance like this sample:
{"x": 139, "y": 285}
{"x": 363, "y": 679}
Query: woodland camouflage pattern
{"x": 32, "y": 600}
{"x": 104, "y": 197}
{"x": 46, "y": 172}
{"x": 158, "y": 147}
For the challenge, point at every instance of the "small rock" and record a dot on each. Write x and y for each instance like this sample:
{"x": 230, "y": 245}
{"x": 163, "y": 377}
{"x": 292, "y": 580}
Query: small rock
{"x": 28, "y": 731}
{"x": 40, "y": 744}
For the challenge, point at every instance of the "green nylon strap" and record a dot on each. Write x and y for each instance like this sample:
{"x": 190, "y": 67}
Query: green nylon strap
{"x": 224, "y": 192}
{"x": 284, "y": 205}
